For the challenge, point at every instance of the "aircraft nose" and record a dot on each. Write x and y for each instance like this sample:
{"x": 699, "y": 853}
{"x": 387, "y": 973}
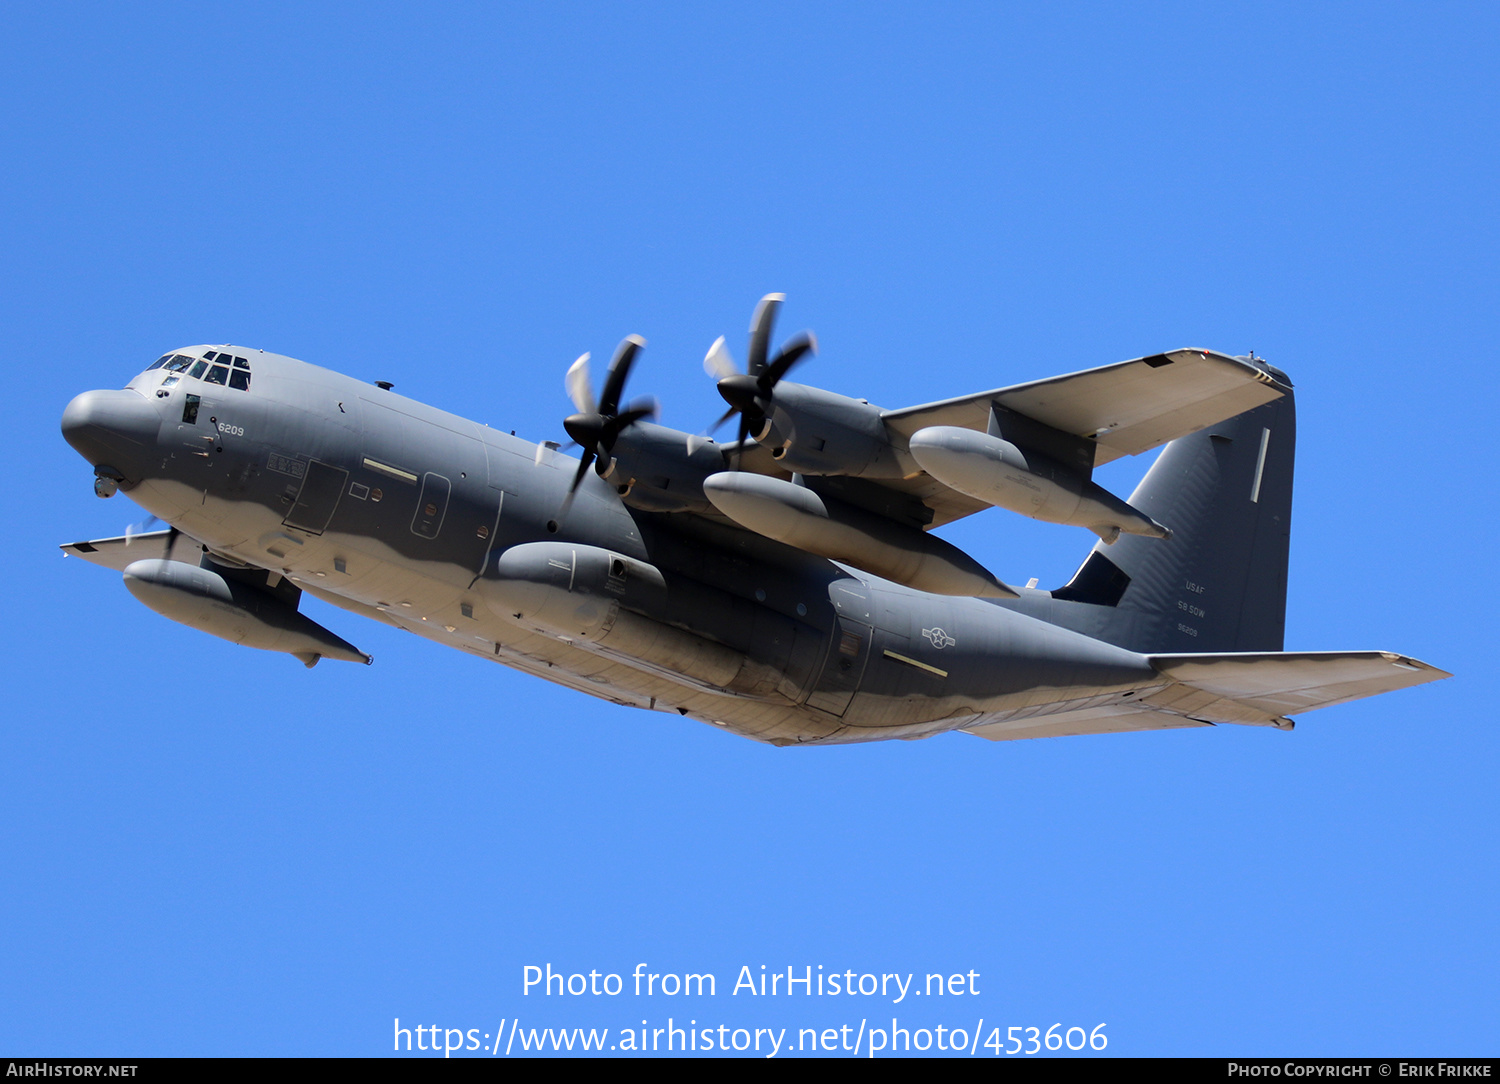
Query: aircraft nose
{"x": 112, "y": 428}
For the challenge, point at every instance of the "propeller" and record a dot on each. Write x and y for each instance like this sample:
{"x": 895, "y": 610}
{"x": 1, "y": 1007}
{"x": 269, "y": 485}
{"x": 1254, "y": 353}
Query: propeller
{"x": 749, "y": 394}
{"x": 599, "y": 423}
{"x": 148, "y": 525}
{"x": 145, "y": 526}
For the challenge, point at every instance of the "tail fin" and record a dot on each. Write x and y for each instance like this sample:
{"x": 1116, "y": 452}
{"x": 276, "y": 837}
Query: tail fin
{"x": 1219, "y": 583}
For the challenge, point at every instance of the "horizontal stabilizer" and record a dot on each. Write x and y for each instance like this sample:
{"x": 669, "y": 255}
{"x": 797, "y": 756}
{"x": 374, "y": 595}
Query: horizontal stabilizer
{"x": 117, "y": 553}
{"x": 1126, "y": 408}
{"x": 1250, "y": 688}
{"x": 1258, "y": 687}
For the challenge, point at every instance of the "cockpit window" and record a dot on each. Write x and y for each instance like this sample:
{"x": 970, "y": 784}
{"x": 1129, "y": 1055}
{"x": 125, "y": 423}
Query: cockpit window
{"x": 239, "y": 376}
{"x": 214, "y": 367}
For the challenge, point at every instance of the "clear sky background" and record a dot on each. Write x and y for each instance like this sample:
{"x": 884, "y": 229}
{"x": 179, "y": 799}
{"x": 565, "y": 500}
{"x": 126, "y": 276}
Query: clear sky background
{"x": 206, "y": 849}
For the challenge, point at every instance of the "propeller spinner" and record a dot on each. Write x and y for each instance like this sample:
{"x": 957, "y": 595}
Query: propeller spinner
{"x": 750, "y": 393}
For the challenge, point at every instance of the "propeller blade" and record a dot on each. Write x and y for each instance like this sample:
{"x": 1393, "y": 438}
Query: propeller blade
{"x": 641, "y": 408}
{"x": 760, "y": 331}
{"x": 583, "y": 466}
{"x": 579, "y": 390}
{"x": 718, "y": 363}
{"x": 744, "y": 435}
{"x": 619, "y": 370}
{"x": 722, "y": 419}
{"x": 796, "y": 348}
{"x": 145, "y": 526}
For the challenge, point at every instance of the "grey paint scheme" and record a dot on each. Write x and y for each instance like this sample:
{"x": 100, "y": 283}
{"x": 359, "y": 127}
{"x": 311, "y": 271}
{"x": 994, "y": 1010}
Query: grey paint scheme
{"x": 282, "y": 481}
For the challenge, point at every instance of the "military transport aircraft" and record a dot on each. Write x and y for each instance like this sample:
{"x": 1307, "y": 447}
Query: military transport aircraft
{"x": 784, "y": 586}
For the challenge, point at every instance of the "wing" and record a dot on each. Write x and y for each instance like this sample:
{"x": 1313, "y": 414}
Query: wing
{"x": 116, "y": 553}
{"x": 1126, "y": 409}
{"x": 1121, "y": 409}
{"x": 1249, "y": 688}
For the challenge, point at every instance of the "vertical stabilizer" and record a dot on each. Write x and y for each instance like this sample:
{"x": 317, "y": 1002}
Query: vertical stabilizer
{"x": 1219, "y": 583}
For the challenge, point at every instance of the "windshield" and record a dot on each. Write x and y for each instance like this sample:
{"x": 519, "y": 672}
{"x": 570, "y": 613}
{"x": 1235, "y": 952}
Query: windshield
{"x": 212, "y": 367}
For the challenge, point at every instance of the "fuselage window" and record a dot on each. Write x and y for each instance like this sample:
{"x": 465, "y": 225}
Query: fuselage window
{"x": 217, "y": 375}
{"x": 239, "y": 378}
{"x": 190, "y": 410}
{"x": 198, "y": 369}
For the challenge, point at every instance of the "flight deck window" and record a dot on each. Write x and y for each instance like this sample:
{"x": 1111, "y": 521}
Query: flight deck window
{"x": 217, "y": 375}
{"x": 198, "y": 369}
{"x": 241, "y": 363}
{"x": 159, "y": 362}
{"x": 178, "y": 363}
{"x": 240, "y": 378}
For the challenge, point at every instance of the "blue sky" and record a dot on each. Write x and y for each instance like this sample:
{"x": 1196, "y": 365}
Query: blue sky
{"x": 209, "y": 850}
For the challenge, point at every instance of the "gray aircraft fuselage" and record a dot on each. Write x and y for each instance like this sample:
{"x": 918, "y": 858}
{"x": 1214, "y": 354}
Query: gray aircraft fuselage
{"x": 396, "y": 510}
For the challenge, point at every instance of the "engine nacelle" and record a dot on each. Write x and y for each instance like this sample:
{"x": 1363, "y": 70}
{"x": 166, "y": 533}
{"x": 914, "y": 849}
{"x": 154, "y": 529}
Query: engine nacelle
{"x": 992, "y": 469}
{"x": 812, "y": 431}
{"x": 662, "y": 470}
{"x": 577, "y": 593}
{"x": 799, "y": 517}
{"x": 202, "y": 599}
